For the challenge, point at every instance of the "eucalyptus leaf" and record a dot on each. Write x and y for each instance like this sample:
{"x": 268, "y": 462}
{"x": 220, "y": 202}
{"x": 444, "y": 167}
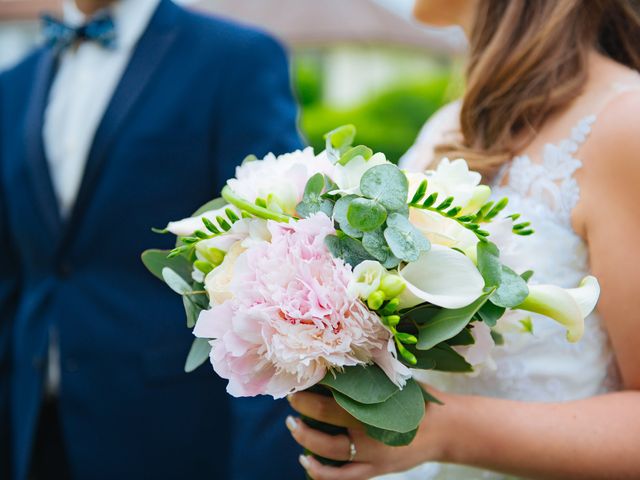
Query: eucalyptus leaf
{"x": 156, "y": 260}
{"x": 446, "y": 359}
{"x": 446, "y": 324}
{"x": 365, "y": 214}
{"x": 401, "y": 412}
{"x": 364, "y": 384}
{"x": 489, "y": 263}
{"x": 391, "y": 438}
{"x": 375, "y": 243}
{"x": 354, "y": 152}
{"x": 340, "y": 215}
{"x": 312, "y": 200}
{"x": 512, "y": 290}
{"x": 198, "y": 354}
{"x": 405, "y": 241}
{"x": 490, "y": 313}
{"x": 420, "y": 314}
{"x": 462, "y": 339}
{"x": 175, "y": 281}
{"x": 339, "y": 140}
{"x": 387, "y": 184}
{"x": 348, "y": 249}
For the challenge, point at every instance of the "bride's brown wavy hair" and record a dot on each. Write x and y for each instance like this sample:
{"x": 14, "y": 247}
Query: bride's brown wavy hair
{"x": 528, "y": 59}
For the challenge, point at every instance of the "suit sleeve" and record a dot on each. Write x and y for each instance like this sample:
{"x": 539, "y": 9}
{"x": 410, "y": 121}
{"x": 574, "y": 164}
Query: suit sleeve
{"x": 258, "y": 114}
{"x": 8, "y": 299}
{"x": 259, "y": 117}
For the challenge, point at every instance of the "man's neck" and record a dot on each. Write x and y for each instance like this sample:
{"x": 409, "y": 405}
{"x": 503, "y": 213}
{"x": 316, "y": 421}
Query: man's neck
{"x": 89, "y": 7}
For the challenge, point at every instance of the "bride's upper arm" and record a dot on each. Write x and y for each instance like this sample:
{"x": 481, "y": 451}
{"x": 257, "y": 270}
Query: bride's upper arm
{"x": 442, "y": 124}
{"x": 610, "y": 200}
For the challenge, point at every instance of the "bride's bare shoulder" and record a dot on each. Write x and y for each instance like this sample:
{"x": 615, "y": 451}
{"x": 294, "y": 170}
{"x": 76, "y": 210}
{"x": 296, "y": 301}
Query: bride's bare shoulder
{"x": 442, "y": 126}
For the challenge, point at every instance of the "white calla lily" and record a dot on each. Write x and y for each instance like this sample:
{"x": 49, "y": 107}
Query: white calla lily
{"x": 569, "y": 307}
{"x": 441, "y": 276}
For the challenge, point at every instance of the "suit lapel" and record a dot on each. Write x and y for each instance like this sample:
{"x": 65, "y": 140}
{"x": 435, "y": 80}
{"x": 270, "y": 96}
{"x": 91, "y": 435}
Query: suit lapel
{"x": 36, "y": 159}
{"x": 146, "y": 58}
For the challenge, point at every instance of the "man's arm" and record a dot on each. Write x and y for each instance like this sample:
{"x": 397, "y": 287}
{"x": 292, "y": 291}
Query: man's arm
{"x": 258, "y": 114}
{"x": 9, "y": 283}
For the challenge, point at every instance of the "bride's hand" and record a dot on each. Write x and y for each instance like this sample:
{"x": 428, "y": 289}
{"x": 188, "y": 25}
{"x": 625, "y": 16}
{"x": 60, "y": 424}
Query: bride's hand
{"x": 372, "y": 458}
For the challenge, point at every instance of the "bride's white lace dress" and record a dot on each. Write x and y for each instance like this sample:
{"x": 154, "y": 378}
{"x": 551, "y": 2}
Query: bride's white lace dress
{"x": 538, "y": 366}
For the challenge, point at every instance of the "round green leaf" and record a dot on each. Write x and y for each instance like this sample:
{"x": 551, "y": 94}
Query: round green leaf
{"x": 340, "y": 215}
{"x": 363, "y": 384}
{"x": 198, "y": 354}
{"x": 366, "y": 215}
{"x": 512, "y": 290}
{"x": 386, "y": 184}
{"x": 404, "y": 240}
{"x": 402, "y": 412}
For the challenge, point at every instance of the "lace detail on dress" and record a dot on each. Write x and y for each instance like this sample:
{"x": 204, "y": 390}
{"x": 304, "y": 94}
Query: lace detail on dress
{"x": 550, "y": 182}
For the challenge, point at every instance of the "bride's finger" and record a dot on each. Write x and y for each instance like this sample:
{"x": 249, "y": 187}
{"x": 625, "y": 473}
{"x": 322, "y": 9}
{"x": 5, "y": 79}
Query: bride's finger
{"x": 352, "y": 471}
{"x": 335, "y": 447}
{"x": 324, "y": 409}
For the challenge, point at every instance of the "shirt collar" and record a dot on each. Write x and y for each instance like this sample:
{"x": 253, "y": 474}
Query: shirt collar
{"x": 131, "y": 18}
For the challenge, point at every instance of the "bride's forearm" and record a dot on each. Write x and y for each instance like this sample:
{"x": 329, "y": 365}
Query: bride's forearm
{"x": 595, "y": 438}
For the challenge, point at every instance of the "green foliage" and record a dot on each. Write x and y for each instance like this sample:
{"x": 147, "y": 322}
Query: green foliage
{"x": 391, "y": 438}
{"x": 512, "y": 290}
{"x": 365, "y": 214}
{"x": 156, "y": 260}
{"x": 312, "y": 200}
{"x": 387, "y": 185}
{"x": 198, "y": 354}
{"x": 489, "y": 263}
{"x": 389, "y": 122}
{"x": 364, "y": 384}
{"x": 445, "y": 358}
{"x": 402, "y": 412}
{"x": 348, "y": 249}
{"x": 446, "y": 324}
{"x": 405, "y": 241}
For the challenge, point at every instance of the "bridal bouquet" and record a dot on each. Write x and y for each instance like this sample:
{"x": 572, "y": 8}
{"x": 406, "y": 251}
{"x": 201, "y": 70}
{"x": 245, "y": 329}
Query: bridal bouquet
{"x": 342, "y": 272}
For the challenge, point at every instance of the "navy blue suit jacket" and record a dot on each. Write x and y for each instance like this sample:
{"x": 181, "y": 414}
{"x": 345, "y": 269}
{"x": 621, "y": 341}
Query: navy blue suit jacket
{"x": 198, "y": 95}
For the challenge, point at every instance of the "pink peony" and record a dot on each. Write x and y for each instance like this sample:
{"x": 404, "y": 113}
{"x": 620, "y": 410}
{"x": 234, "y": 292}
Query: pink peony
{"x": 291, "y": 317}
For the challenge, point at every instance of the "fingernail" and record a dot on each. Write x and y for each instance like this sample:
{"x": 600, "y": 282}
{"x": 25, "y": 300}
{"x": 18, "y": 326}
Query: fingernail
{"x": 304, "y": 461}
{"x": 291, "y": 423}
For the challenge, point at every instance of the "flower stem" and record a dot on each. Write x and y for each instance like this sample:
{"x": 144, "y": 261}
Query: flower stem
{"x": 244, "y": 205}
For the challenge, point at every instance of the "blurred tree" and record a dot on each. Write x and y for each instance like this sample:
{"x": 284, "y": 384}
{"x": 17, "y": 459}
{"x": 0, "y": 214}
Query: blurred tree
{"x": 388, "y": 122}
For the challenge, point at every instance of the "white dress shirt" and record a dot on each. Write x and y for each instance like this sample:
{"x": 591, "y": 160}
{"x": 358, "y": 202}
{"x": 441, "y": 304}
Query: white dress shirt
{"x": 85, "y": 81}
{"x": 87, "y": 77}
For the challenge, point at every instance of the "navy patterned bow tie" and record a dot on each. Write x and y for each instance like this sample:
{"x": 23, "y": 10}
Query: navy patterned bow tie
{"x": 99, "y": 29}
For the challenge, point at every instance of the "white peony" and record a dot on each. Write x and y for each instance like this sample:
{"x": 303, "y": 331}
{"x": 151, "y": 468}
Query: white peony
{"x": 280, "y": 181}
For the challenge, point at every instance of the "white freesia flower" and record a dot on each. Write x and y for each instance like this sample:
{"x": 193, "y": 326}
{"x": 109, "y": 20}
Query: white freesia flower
{"x": 441, "y": 230}
{"x": 569, "y": 307}
{"x": 280, "y": 181}
{"x": 187, "y": 226}
{"x": 348, "y": 176}
{"x": 441, "y": 276}
{"x": 453, "y": 179}
{"x": 366, "y": 278}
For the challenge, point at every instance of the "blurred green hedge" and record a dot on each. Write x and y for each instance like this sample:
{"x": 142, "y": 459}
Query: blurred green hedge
{"x": 388, "y": 122}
